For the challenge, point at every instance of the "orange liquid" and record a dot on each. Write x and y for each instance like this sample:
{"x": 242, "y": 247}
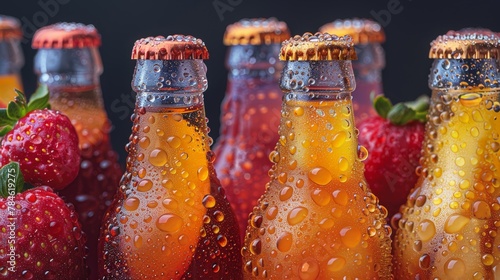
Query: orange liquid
{"x": 7, "y": 85}
{"x": 250, "y": 133}
{"x": 317, "y": 219}
{"x": 449, "y": 225}
{"x": 170, "y": 219}
{"x": 93, "y": 189}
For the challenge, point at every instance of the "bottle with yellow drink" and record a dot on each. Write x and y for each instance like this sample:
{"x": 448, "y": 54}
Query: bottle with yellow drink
{"x": 317, "y": 218}
{"x": 11, "y": 59}
{"x": 170, "y": 218}
{"x": 450, "y": 223}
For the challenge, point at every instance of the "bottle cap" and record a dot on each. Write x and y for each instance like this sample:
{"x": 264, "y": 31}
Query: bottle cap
{"x": 320, "y": 46}
{"x": 256, "y": 31}
{"x": 362, "y": 31}
{"x": 66, "y": 35}
{"x": 10, "y": 28}
{"x": 467, "y": 43}
{"x": 173, "y": 47}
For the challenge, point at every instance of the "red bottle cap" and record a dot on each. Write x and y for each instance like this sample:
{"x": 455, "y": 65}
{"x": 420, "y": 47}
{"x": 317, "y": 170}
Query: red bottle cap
{"x": 362, "y": 31}
{"x": 173, "y": 47}
{"x": 467, "y": 43}
{"x": 10, "y": 28}
{"x": 320, "y": 46}
{"x": 66, "y": 36}
{"x": 257, "y": 31}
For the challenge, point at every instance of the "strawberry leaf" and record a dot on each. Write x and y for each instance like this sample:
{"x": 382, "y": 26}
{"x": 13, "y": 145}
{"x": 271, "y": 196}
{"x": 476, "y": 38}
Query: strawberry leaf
{"x": 14, "y": 110}
{"x": 18, "y": 108}
{"x": 419, "y": 105}
{"x": 401, "y": 114}
{"x": 39, "y": 99}
{"x": 11, "y": 180}
{"x": 382, "y": 105}
{"x": 5, "y": 129}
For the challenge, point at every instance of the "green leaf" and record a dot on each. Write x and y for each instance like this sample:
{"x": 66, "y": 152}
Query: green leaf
{"x": 39, "y": 99}
{"x": 4, "y": 118}
{"x": 14, "y": 110}
{"x": 11, "y": 180}
{"x": 401, "y": 114}
{"x": 382, "y": 105}
{"x": 20, "y": 96}
{"x": 421, "y": 104}
{"x": 5, "y": 129}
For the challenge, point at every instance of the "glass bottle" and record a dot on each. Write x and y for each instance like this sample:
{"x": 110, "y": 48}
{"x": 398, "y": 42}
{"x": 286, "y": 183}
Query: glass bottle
{"x": 317, "y": 218}
{"x": 170, "y": 218}
{"x": 449, "y": 224}
{"x": 68, "y": 62}
{"x": 250, "y": 111}
{"x": 11, "y": 59}
{"x": 367, "y": 36}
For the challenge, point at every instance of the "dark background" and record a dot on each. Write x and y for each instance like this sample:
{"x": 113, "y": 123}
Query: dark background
{"x": 410, "y": 25}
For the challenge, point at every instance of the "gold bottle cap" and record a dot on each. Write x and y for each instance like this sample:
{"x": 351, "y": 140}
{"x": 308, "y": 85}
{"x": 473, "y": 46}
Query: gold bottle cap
{"x": 320, "y": 46}
{"x": 467, "y": 43}
{"x": 10, "y": 28}
{"x": 362, "y": 31}
{"x": 172, "y": 47}
{"x": 66, "y": 35}
{"x": 257, "y": 31}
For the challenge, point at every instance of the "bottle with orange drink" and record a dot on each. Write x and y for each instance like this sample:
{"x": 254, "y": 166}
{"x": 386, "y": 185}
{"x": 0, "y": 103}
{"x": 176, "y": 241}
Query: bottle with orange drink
{"x": 68, "y": 62}
{"x": 250, "y": 111}
{"x": 317, "y": 218}
{"x": 11, "y": 59}
{"x": 170, "y": 218}
{"x": 450, "y": 222}
{"x": 367, "y": 37}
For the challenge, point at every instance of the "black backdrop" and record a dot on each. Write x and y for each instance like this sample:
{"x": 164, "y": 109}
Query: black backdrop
{"x": 410, "y": 26}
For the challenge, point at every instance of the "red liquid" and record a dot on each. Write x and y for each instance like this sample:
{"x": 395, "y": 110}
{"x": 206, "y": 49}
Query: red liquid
{"x": 362, "y": 104}
{"x": 249, "y": 134}
{"x": 93, "y": 190}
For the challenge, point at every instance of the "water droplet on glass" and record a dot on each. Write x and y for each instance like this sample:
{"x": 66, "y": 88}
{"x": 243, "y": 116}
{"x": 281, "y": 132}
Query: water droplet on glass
{"x": 169, "y": 223}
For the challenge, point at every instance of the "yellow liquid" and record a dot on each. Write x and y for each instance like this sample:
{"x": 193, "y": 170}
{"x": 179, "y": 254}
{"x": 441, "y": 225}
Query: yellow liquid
{"x": 168, "y": 210}
{"x": 450, "y": 222}
{"x": 7, "y": 85}
{"x": 317, "y": 219}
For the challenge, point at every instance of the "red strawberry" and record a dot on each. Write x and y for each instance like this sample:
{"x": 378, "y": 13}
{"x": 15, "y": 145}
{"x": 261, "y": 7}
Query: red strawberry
{"x": 40, "y": 236}
{"x": 44, "y": 142}
{"x": 394, "y": 142}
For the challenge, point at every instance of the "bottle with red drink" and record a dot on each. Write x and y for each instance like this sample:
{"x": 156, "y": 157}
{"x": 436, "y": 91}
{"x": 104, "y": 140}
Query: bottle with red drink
{"x": 68, "y": 62}
{"x": 170, "y": 218}
{"x": 250, "y": 111}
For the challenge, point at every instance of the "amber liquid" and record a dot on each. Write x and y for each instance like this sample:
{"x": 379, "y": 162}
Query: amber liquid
{"x": 249, "y": 133}
{"x": 93, "y": 189}
{"x": 7, "y": 85}
{"x": 317, "y": 219}
{"x": 451, "y": 220}
{"x": 170, "y": 219}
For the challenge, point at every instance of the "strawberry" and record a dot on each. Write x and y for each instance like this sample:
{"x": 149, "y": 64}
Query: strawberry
{"x": 44, "y": 142}
{"x": 393, "y": 139}
{"x": 40, "y": 236}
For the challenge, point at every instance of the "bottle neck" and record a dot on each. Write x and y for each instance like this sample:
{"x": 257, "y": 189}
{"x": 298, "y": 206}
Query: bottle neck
{"x": 12, "y": 59}
{"x": 317, "y": 125}
{"x": 317, "y": 131}
{"x": 370, "y": 62}
{"x": 171, "y": 91}
{"x": 257, "y": 62}
{"x": 464, "y": 75}
{"x": 464, "y": 115}
{"x": 68, "y": 67}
